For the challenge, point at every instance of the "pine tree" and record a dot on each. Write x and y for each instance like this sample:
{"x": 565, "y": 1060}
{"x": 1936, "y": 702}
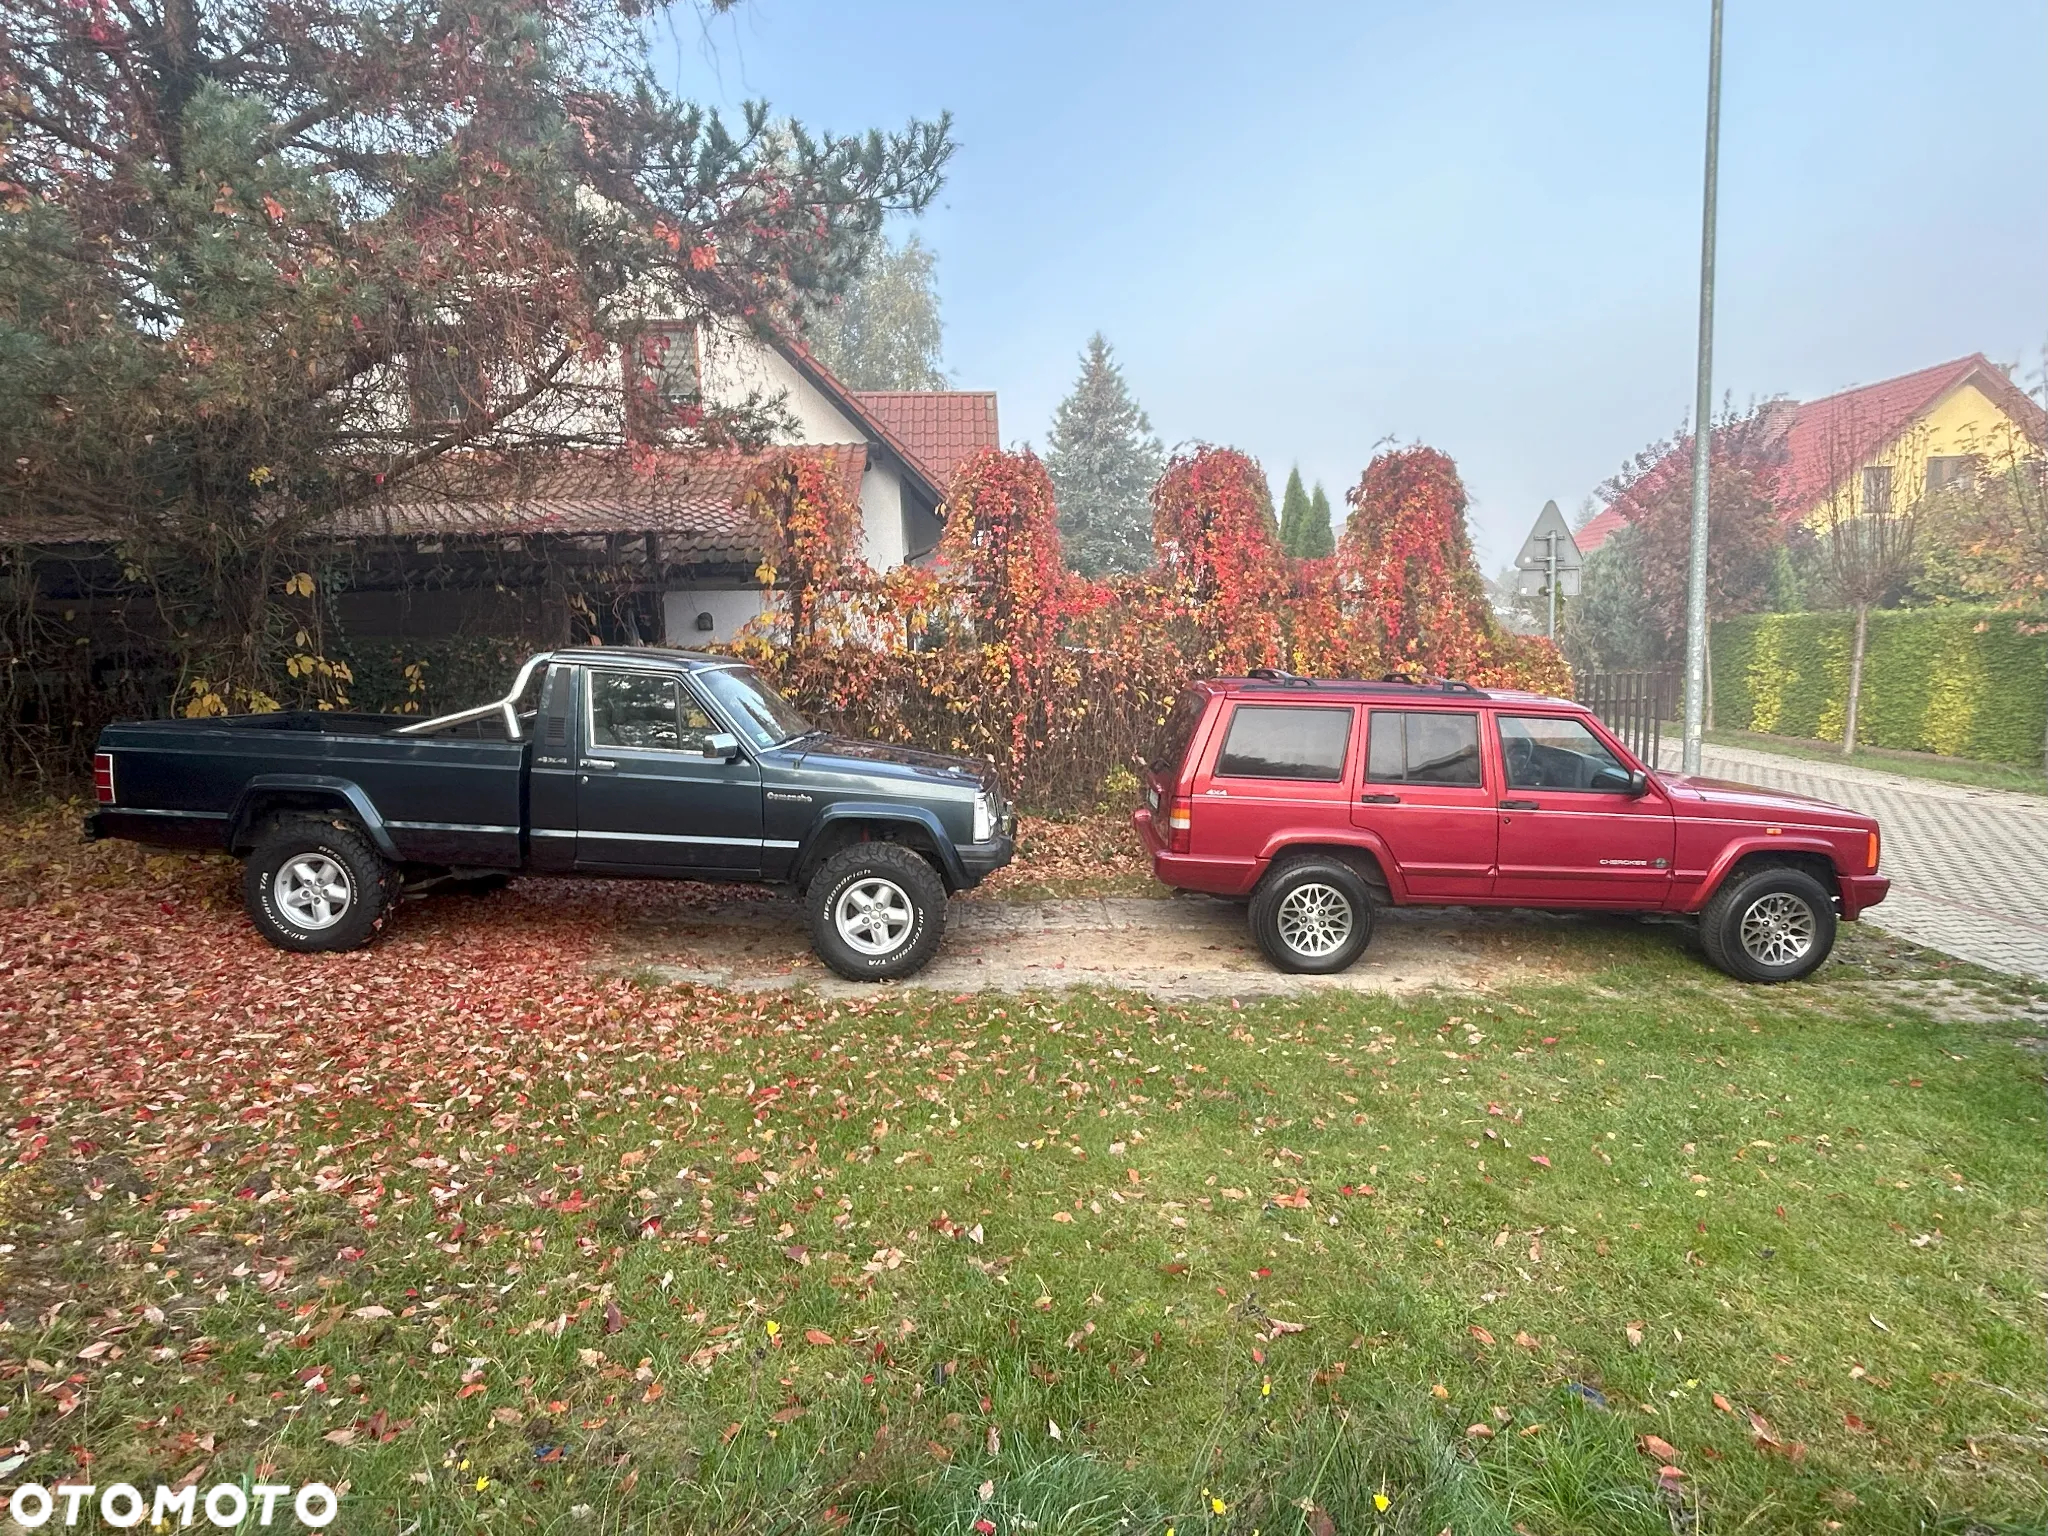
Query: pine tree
{"x": 1294, "y": 515}
{"x": 1104, "y": 460}
{"x": 1319, "y": 537}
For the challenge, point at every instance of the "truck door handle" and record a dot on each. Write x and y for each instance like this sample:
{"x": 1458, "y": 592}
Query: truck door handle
{"x": 1379, "y": 799}
{"x": 599, "y": 762}
{"x": 1520, "y": 805}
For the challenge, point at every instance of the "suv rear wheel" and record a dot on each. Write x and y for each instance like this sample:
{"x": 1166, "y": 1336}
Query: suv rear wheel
{"x": 1312, "y": 916}
{"x": 877, "y": 912}
{"x": 1768, "y": 925}
{"x": 317, "y": 885}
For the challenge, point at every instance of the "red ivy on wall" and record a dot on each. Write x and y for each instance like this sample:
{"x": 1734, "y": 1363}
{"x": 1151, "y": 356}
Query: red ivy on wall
{"x": 811, "y": 537}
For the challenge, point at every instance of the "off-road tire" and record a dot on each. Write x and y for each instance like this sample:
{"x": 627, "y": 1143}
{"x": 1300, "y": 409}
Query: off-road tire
{"x": 1277, "y": 919}
{"x": 876, "y": 867}
{"x": 1722, "y": 920}
{"x": 371, "y": 885}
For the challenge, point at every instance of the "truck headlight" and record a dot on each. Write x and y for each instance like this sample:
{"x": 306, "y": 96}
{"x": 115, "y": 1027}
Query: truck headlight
{"x": 984, "y": 817}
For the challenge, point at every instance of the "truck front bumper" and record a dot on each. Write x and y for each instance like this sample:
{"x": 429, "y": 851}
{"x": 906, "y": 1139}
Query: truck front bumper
{"x": 980, "y": 860}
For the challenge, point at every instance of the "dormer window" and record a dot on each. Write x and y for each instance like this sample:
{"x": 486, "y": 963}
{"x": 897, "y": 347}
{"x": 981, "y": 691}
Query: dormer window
{"x": 663, "y": 379}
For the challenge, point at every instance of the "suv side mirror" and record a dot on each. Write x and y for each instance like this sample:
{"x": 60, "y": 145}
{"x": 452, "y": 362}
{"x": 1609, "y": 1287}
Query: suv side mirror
{"x": 1638, "y": 782}
{"x": 719, "y": 747}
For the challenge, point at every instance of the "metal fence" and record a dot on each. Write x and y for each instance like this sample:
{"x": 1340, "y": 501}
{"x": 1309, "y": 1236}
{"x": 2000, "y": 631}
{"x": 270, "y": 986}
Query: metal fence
{"x": 1633, "y": 705}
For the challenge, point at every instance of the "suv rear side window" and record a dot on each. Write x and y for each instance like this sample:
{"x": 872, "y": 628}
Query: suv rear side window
{"x": 1270, "y": 742}
{"x": 1423, "y": 747}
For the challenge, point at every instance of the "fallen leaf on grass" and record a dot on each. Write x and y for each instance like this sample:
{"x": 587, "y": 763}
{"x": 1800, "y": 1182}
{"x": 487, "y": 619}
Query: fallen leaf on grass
{"x": 1479, "y": 1333}
{"x": 819, "y": 1337}
{"x": 1635, "y": 1335}
{"x": 1657, "y": 1448}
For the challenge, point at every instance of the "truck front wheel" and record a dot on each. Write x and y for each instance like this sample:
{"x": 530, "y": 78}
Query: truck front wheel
{"x": 877, "y": 912}
{"x": 1772, "y": 924}
{"x": 316, "y": 885}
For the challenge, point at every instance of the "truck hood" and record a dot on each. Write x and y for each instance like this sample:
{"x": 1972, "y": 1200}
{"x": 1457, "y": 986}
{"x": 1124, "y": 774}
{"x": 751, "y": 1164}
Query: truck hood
{"x": 1695, "y": 796}
{"x": 857, "y": 756}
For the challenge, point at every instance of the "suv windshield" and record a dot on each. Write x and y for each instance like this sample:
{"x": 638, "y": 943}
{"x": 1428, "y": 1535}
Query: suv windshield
{"x": 762, "y": 714}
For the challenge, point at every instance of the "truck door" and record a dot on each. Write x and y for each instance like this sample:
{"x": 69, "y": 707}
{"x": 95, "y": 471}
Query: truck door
{"x": 1573, "y": 832}
{"x": 1424, "y": 793}
{"x": 647, "y": 800}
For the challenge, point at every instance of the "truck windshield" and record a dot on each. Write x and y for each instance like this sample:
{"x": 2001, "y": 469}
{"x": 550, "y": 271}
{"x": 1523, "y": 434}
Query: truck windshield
{"x": 758, "y": 710}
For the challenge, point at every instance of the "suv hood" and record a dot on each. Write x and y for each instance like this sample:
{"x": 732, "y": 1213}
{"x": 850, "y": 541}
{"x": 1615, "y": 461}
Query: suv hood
{"x": 858, "y": 756}
{"x": 1693, "y": 796}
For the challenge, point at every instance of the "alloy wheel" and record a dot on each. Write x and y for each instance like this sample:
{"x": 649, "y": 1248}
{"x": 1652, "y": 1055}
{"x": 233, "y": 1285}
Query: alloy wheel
{"x": 313, "y": 891}
{"x": 1778, "y": 929}
{"x": 873, "y": 915}
{"x": 1314, "y": 919}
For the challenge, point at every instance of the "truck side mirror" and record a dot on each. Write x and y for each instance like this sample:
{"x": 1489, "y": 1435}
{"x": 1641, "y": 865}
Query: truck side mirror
{"x": 719, "y": 747}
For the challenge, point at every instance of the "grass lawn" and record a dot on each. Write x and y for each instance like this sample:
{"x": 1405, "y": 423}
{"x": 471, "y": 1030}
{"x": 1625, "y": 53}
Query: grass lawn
{"x": 505, "y": 1246}
{"x": 1915, "y": 765}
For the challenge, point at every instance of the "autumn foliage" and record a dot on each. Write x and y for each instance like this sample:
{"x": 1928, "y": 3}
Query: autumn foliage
{"x": 1001, "y": 652}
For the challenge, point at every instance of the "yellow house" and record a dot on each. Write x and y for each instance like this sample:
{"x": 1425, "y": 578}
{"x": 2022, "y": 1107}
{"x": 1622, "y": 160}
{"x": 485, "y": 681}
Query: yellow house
{"x": 1885, "y": 445}
{"x": 1892, "y": 441}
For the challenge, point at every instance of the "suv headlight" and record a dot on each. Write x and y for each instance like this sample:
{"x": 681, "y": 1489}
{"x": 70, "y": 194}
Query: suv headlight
{"x": 984, "y": 817}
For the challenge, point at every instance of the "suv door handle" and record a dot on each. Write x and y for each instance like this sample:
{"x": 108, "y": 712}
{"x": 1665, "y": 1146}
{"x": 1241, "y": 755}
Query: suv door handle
{"x": 1520, "y": 805}
{"x": 1379, "y": 799}
{"x": 599, "y": 762}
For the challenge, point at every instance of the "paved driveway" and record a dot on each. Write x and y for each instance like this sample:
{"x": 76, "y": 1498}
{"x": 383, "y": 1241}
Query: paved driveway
{"x": 1969, "y": 867}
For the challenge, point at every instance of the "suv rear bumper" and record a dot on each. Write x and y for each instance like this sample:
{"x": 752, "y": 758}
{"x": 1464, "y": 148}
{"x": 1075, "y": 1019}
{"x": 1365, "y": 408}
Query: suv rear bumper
{"x": 1186, "y": 872}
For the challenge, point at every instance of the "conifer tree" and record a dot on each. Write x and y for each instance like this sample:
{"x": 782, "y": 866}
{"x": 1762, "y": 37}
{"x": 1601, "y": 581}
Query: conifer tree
{"x": 1104, "y": 459}
{"x": 1294, "y": 514}
{"x": 1319, "y": 537}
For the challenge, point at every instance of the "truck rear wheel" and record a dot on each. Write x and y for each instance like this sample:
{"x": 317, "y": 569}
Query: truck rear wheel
{"x": 316, "y": 885}
{"x": 1312, "y": 916}
{"x": 877, "y": 912}
{"x": 1772, "y": 924}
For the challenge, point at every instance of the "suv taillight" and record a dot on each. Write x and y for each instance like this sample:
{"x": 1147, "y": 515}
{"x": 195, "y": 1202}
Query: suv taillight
{"x": 1873, "y": 853}
{"x": 1180, "y": 822}
{"x": 103, "y": 777}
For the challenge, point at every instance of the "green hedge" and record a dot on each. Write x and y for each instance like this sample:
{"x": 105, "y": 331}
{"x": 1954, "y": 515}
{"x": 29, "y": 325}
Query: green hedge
{"x": 1964, "y": 682}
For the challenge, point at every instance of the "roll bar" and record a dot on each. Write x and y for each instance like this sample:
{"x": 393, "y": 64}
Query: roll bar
{"x": 464, "y": 716}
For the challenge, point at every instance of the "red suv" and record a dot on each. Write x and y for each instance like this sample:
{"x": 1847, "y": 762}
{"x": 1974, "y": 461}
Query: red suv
{"x": 1319, "y": 799}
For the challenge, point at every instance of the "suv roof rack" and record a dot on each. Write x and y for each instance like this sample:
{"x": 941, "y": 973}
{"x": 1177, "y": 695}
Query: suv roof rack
{"x": 1277, "y": 677}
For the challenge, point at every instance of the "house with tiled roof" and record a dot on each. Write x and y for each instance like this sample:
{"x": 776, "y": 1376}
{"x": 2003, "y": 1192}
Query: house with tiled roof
{"x": 668, "y": 531}
{"x": 1892, "y": 442}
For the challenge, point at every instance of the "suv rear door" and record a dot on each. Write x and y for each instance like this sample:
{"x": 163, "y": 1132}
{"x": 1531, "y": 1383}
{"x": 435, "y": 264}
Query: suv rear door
{"x": 1572, "y": 832}
{"x": 1424, "y": 793}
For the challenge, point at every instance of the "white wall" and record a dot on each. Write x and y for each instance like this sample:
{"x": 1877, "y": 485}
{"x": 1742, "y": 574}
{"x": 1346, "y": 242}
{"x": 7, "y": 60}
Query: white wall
{"x": 881, "y": 515}
{"x": 730, "y": 609}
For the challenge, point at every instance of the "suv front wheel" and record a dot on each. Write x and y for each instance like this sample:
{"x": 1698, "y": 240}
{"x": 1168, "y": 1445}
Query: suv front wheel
{"x": 1312, "y": 916}
{"x": 1769, "y": 925}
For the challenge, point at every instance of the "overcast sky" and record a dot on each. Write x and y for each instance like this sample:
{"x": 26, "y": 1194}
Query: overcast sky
{"x": 1310, "y": 228}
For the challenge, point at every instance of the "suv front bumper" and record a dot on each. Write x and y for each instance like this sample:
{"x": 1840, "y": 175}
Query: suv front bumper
{"x": 980, "y": 860}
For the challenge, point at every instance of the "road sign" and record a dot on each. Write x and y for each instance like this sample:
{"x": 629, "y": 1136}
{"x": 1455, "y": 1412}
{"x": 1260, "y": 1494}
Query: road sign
{"x": 1536, "y": 549}
{"x": 1537, "y": 583}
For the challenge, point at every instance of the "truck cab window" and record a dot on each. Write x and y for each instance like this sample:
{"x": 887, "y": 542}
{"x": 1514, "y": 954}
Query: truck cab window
{"x": 629, "y": 709}
{"x": 1546, "y": 753}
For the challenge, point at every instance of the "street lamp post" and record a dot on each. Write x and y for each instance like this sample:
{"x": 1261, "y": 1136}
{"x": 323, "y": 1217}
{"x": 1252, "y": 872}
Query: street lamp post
{"x": 1702, "y": 430}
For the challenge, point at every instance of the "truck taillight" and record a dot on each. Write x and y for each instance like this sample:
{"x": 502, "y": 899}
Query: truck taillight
{"x": 1873, "y": 853}
{"x": 1180, "y": 822}
{"x": 103, "y": 777}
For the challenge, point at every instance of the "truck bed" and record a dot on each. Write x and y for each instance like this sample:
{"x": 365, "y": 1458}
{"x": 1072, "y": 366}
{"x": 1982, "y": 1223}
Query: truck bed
{"x": 453, "y": 798}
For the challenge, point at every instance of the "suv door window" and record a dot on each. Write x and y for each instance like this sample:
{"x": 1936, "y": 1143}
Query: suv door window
{"x": 637, "y": 709}
{"x": 1271, "y": 742}
{"x": 1423, "y": 747}
{"x": 1544, "y": 752}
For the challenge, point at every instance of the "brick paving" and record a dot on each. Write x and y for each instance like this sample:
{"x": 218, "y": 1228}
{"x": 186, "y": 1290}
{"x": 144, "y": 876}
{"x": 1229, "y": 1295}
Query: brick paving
{"x": 1969, "y": 867}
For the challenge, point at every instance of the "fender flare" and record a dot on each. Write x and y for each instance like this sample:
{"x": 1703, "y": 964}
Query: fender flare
{"x": 1363, "y": 841}
{"x": 1741, "y": 848}
{"x": 924, "y": 819}
{"x": 346, "y": 790}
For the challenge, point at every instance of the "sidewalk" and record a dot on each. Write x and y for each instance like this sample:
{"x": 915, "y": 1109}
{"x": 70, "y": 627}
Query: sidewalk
{"x": 1969, "y": 867}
